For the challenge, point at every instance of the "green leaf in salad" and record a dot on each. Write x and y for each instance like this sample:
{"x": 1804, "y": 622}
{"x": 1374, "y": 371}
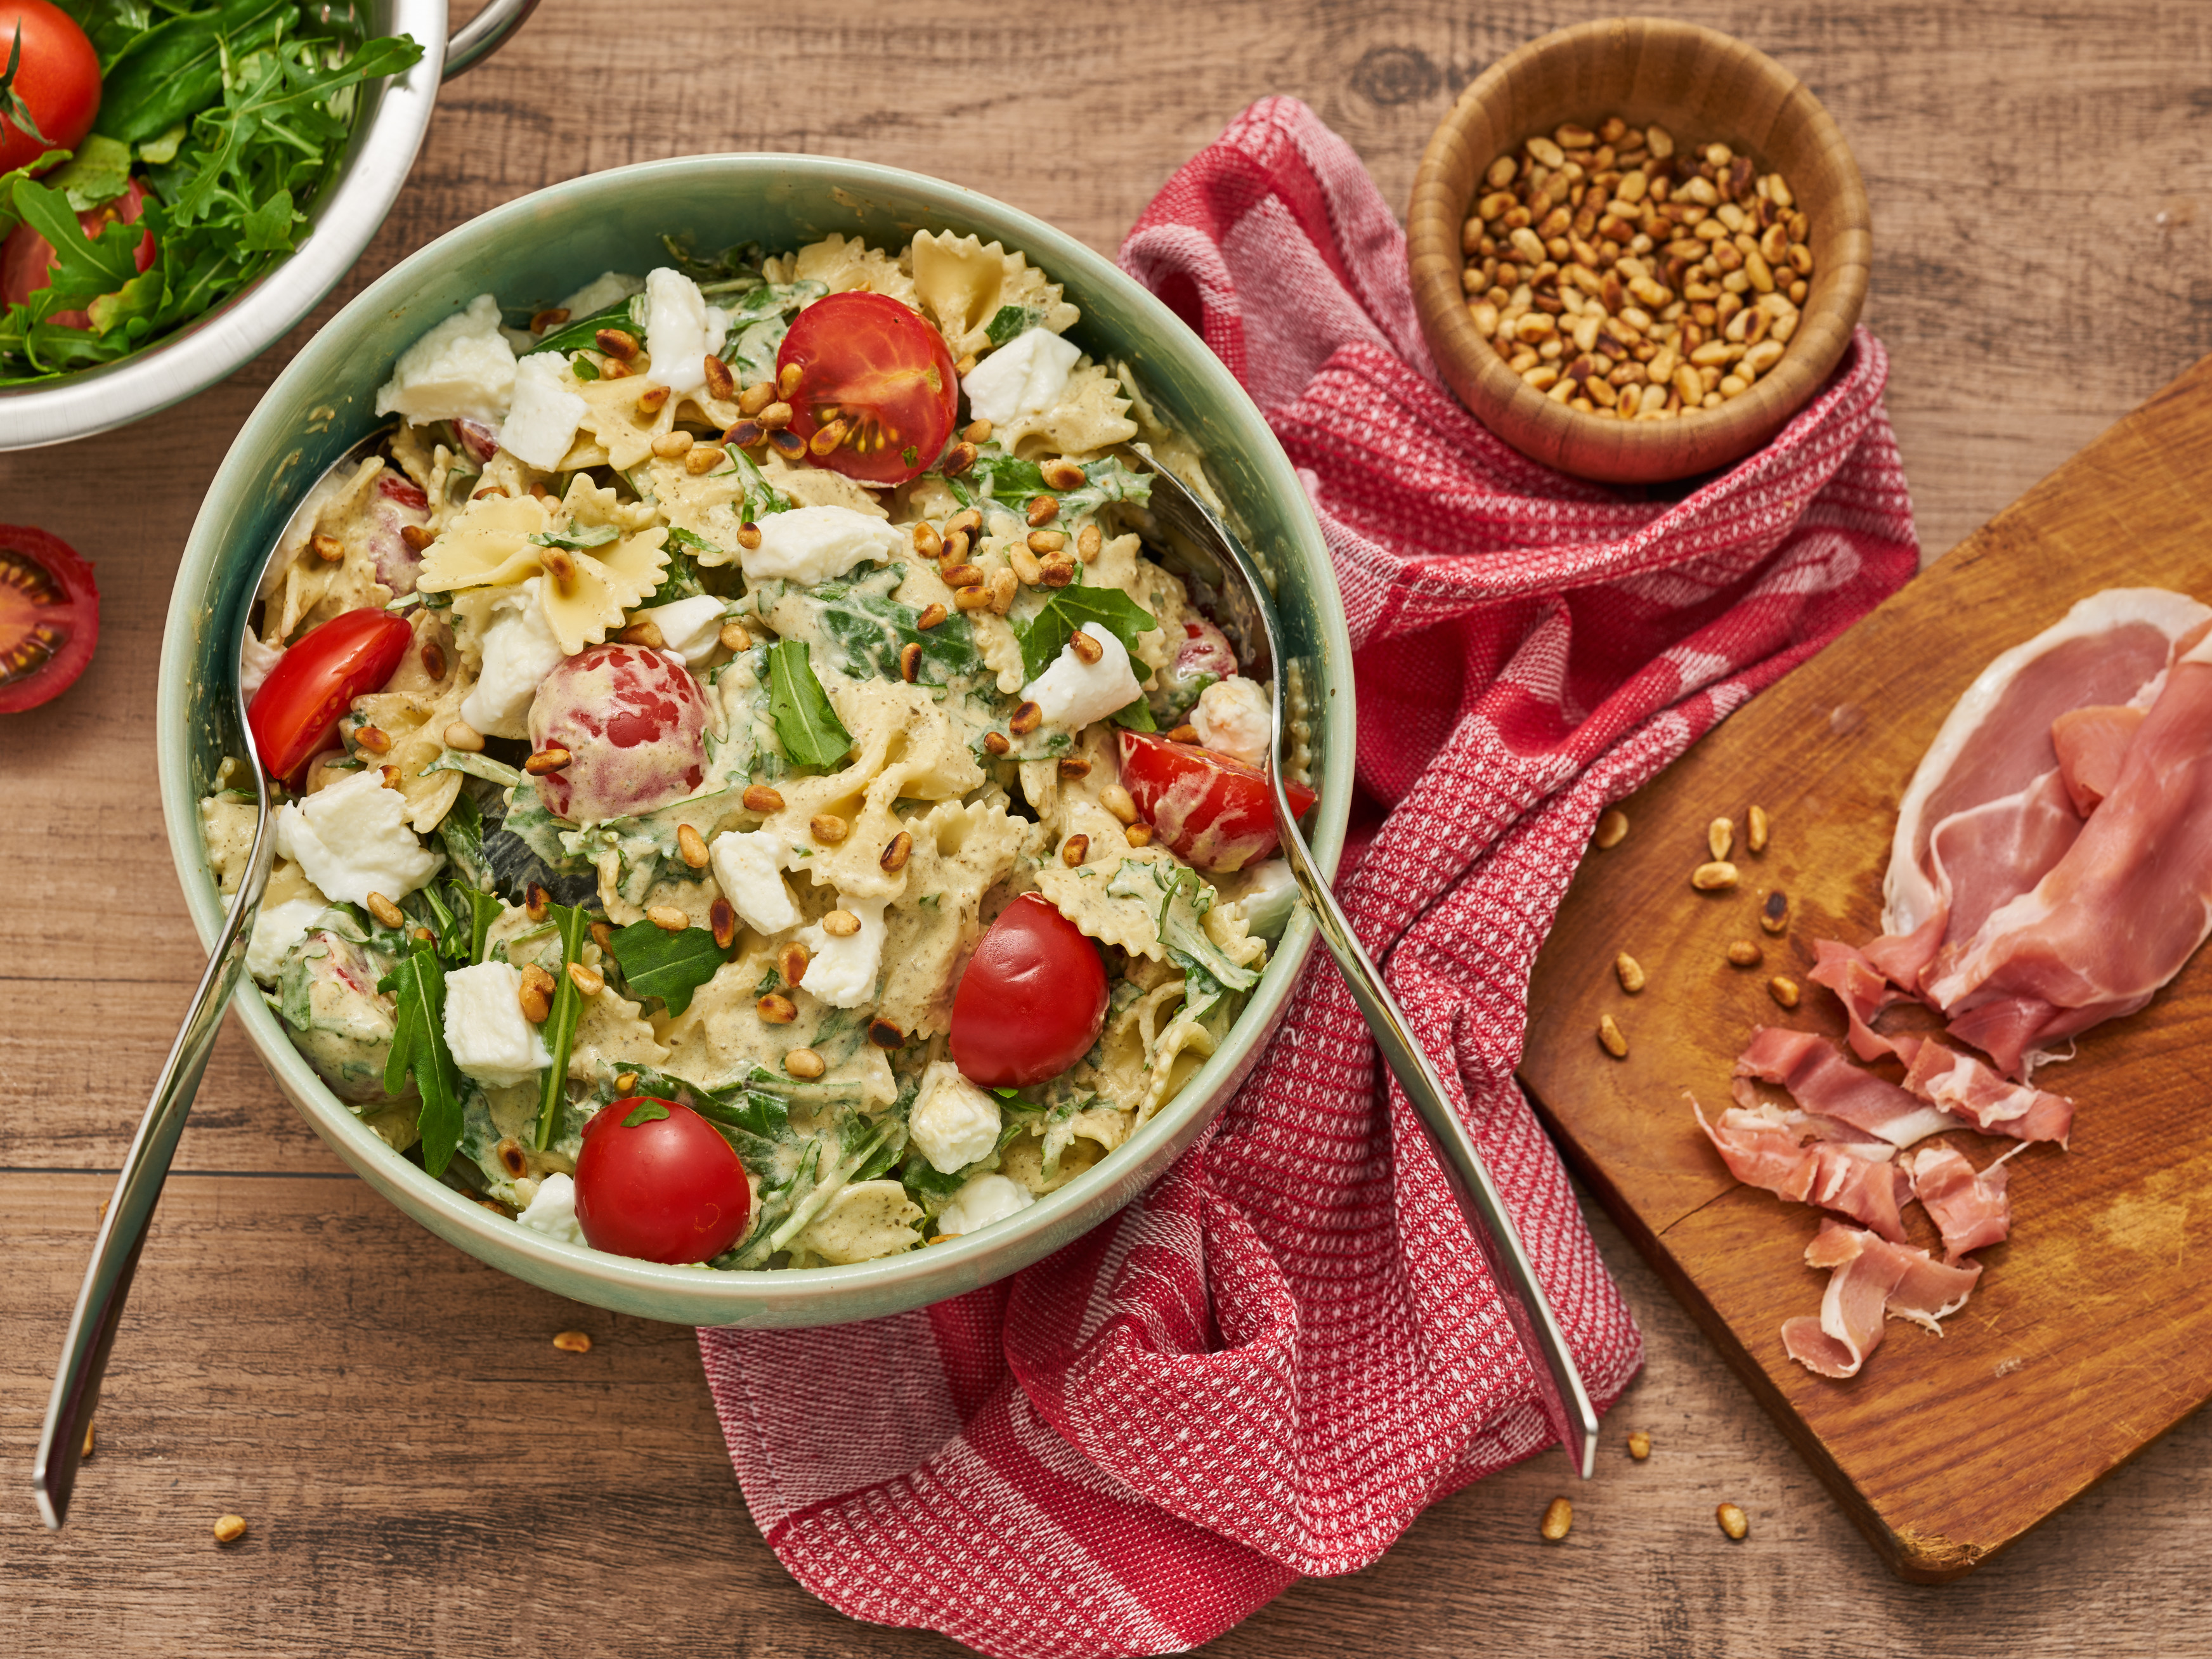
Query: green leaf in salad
{"x": 1010, "y": 322}
{"x": 740, "y": 263}
{"x": 1137, "y": 717}
{"x": 98, "y": 172}
{"x": 805, "y": 724}
{"x": 761, "y": 497}
{"x": 657, "y": 963}
{"x": 417, "y": 989}
{"x": 582, "y": 333}
{"x": 1047, "y": 634}
{"x": 561, "y": 1025}
{"x": 646, "y": 1111}
{"x": 578, "y": 539}
{"x": 1010, "y": 481}
{"x": 867, "y": 631}
{"x": 84, "y": 268}
{"x": 176, "y": 69}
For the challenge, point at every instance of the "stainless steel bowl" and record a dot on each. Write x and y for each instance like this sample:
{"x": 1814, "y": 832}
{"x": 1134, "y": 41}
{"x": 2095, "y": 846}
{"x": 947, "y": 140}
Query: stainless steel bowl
{"x": 395, "y": 115}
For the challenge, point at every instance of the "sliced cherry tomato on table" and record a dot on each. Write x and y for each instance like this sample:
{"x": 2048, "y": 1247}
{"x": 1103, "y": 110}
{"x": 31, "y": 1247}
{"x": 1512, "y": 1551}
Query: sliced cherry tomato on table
{"x": 633, "y": 723}
{"x": 878, "y": 366}
{"x": 49, "y": 617}
{"x": 1213, "y": 812}
{"x": 295, "y": 713}
{"x": 1032, "y": 998}
{"x": 656, "y": 1180}
{"x": 56, "y": 82}
{"x": 27, "y": 258}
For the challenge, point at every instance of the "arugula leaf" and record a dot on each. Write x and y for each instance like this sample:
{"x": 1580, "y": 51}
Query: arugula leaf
{"x": 1010, "y": 481}
{"x": 561, "y": 1023}
{"x": 759, "y": 1114}
{"x": 8, "y": 217}
{"x": 176, "y": 68}
{"x": 646, "y": 1111}
{"x": 84, "y": 268}
{"x": 417, "y": 988}
{"x": 805, "y": 724}
{"x": 1011, "y": 322}
{"x": 1047, "y": 634}
{"x": 582, "y": 333}
{"x": 476, "y": 765}
{"x": 761, "y": 497}
{"x": 868, "y": 631}
{"x": 656, "y": 963}
{"x": 1137, "y": 717}
{"x": 98, "y": 172}
{"x": 734, "y": 263}
{"x": 579, "y": 537}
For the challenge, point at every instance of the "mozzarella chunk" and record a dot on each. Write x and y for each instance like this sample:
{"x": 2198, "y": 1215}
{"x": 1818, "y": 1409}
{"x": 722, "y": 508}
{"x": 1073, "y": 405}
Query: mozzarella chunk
{"x": 1269, "y": 895}
{"x": 1233, "y": 718}
{"x": 553, "y": 1210}
{"x": 462, "y": 369}
{"x": 519, "y": 650}
{"x": 491, "y": 1040}
{"x": 352, "y": 840}
{"x": 1071, "y": 693}
{"x": 276, "y": 929}
{"x": 255, "y": 660}
{"x": 981, "y": 1200}
{"x": 1025, "y": 376}
{"x": 542, "y": 423}
{"x": 602, "y": 291}
{"x": 812, "y": 544}
{"x": 681, "y": 329}
{"x": 690, "y": 627}
{"x": 842, "y": 972}
{"x": 953, "y": 1121}
{"x": 748, "y": 867}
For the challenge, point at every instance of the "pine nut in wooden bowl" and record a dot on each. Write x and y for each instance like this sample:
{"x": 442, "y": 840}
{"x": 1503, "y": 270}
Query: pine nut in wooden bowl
{"x": 1617, "y": 80}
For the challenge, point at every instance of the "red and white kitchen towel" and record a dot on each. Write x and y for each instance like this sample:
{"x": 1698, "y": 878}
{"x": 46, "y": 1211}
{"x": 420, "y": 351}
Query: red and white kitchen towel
{"x": 1267, "y": 1365}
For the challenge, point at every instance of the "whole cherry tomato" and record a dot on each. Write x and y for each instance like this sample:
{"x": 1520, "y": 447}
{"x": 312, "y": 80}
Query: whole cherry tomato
{"x": 1212, "y": 811}
{"x": 27, "y": 258}
{"x": 879, "y": 368}
{"x": 1032, "y": 998}
{"x": 56, "y": 80}
{"x": 634, "y": 722}
{"x": 295, "y": 713}
{"x": 49, "y": 616}
{"x": 656, "y": 1180}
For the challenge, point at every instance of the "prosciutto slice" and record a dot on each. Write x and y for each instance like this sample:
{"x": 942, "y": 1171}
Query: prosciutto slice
{"x": 1821, "y": 1081}
{"x": 1870, "y": 1280}
{"x": 1813, "y": 1160}
{"x": 2120, "y": 913}
{"x": 2091, "y": 743}
{"x": 1961, "y": 1085}
{"x": 1968, "y": 1206}
{"x": 1862, "y": 988}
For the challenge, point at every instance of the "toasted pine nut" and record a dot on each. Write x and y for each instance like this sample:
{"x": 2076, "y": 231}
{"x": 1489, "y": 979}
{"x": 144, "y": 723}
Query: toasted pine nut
{"x": 804, "y": 1063}
{"x": 976, "y": 431}
{"x": 1042, "y": 510}
{"x": 328, "y": 549}
{"x": 962, "y": 575}
{"x": 625, "y": 1082}
{"x": 1118, "y": 801}
{"x": 748, "y": 537}
{"x": 1630, "y": 971}
{"x": 910, "y": 661}
{"x": 646, "y": 634}
{"x": 968, "y": 521}
{"x": 229, "y": 1529}
{"x": 722, "y": 385}
{"x": 1733, "y": 1521}
{"x": 745, "y": 435}
{"x": 1025, "y": 564}
{"x": 1063, "y": 474}
{"x": 573, "y": 1342}
{"x": 759, "y": 797}
{"x": 1774, "y": 914}
{"x": 550, "y": 759}
{"x": 1715, "y": 877}
{"x": 791, "y": 963}
{"x": 954, "y": 550}
{"x": 996, "y": 742}
{"x": 1026, "y": 719}
{"x": 777, "y": 1009}
{"x": 931, "y": 615}
{"x": 1756, "y": 830}
{"x": 669, "y": 445}
{"x": 958, "y": 458}
{"x": 926, "y": 541}
{"x": 590, "y": 981}
{"x": 534, "y": 900}
{"x": 373, "y": 739}
{"x": 1183, "y": 733}
{"x": 828, "y": 827}
{"x": 1744, "y": 953}
{"x": 433, "y": 659}
{"x": 841, "y": 924}
{"x": 1720, "y": 837}
{"x": 603, "y": 936}
{"x": 1074, "y": 850}
{"x": 704, "y": 459}
{"x": 385, "y": 911}
{"x": 1639, "y": 1444}
{"x": 1558, "y": 1516}
{"x": 1784, "y": 990}
{"x": 774, "y": 418}
{"x": 548, "y": 319}
{"x": 974, "y": 596}
{"x": 1074, "y": 769}
{"x": 1085, "y": 648}
{"x": 1058, "y": 571}
{"x": 734, "y": 637}
{"x": 896, "y": 852}
{"x": 617, "y": 343}
{"x": 1047, "y": 541}
{"x": 884, "y": 1035}
{"x": 1609, "y": 1037}
{"x": 692, "y": 845}
{"x": 667, "y": 918}
{"x": 722, "y": 917}
{"x": 417, "y": 536}
{"x": 1088, "y": 542}
{"x": 1138, "y": 834}
{"x": 560, "y": 566}
{"x": 537, "y": 1002}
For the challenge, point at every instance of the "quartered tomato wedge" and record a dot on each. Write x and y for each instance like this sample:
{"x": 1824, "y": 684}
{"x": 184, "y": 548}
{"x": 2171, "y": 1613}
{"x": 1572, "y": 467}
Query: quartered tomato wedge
{"x": 878, "y": 367}
{"x": 295, "y": 713}
{"x": 49, "y": 617}
{"x": 1213, "y": 812}
{"x": 1032, "y": 998}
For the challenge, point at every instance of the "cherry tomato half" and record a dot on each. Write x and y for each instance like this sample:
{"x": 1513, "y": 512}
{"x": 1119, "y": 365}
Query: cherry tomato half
{"x": 656, "y": 1180}
{"x": 49, "y": 616}
{"x": 880, "y": 368}
{"x": 634, "y": 722}
{"x": 1032, "y": 998}
{"x": 295, "y": 713}
{"x": 1210, "y": 810}
{"x": 58, "y": 79}
{"x": 27, "y": 258}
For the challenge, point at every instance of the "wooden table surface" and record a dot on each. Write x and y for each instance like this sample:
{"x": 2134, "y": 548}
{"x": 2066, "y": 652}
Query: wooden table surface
{"x": 424, "y": 1472}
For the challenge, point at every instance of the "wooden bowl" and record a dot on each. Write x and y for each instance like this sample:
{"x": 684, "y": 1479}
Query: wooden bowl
{"x": 1703, "y": 86}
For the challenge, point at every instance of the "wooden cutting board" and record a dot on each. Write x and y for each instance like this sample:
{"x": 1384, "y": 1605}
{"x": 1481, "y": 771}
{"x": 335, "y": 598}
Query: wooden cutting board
{"x": 2091, "y": 1331}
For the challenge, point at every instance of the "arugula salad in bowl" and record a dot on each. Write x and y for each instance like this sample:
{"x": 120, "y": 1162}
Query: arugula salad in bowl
{"x": 752, "y": 798}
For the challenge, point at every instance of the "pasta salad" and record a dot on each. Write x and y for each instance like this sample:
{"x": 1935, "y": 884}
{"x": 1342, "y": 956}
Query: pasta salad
{"x": 752, "y": 800}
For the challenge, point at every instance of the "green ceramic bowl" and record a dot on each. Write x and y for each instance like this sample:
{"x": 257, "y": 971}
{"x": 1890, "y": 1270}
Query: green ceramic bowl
{"x": 544, "y": 246}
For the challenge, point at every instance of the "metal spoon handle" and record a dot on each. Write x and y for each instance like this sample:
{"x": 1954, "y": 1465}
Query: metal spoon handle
{"x": 138, "y": 1189}
{"x": 1560, "y": 1386}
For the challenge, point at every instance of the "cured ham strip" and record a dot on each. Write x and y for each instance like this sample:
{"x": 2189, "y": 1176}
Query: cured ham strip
{"x": 1862, "y": 988}
{"x": 1959, "y": 1084}
{"x": 2092, "y": 746}
{"x": 2120, "y": 913}
{"x": 1821, "y": 1081}
{"x": 1834, "y": 1168}
{"x": 1870, "y": 1279}
{"x": 1968, "y": 1206}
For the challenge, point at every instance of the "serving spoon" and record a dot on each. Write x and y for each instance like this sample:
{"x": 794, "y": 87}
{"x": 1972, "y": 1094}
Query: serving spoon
{"x": 1235, "y": 591}
{"x": 130, "y": 1210}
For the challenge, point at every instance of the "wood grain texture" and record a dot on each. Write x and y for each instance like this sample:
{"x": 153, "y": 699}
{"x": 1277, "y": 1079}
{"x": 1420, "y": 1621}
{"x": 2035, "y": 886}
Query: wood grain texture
{"x": 2092, "y": 1322}
{"x": 2038, "y": 183}
{"x": 1703, "y": 88}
